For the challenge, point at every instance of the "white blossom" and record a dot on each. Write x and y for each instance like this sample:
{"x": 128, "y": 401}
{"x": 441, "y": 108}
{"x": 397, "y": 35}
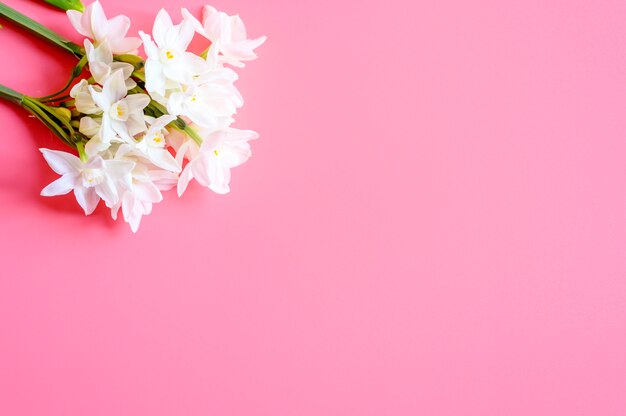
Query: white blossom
{"x": 227, "y": 34}
{"x": 137, "y": 200}
{"x": 153, "y": 145}
{"x": 83, "y": 100}
{"x": 101, "y": 64}
{"x": 169, "y": 65}
{"x": 94, "y": 24}
{"x": 210, "y": 163}
{"x": 210, "y": 101}
{"x": 122, "y": 114}
{"x": 90, "y": 181}
{"x": 126, "y": 144}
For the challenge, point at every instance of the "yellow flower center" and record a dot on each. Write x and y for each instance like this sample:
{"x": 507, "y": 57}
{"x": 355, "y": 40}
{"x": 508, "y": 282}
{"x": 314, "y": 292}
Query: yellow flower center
{"x": 92, "y": 177}
{"x": 167, "y": 55}
{"x": 119, "y": 110}
{"x": 156, "y": 140}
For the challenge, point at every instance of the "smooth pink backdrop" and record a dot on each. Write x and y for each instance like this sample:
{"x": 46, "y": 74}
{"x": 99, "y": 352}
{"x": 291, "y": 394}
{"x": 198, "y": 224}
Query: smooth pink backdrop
{"x": 433, "y": 223}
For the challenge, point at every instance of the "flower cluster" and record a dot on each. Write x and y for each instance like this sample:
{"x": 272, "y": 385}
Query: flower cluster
{"x": 142, "y": 126}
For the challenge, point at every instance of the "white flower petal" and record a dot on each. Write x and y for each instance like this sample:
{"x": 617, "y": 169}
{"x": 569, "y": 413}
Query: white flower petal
{"x": 163, "y": 159}
{"x": 161, "y": 122}
{"x": 147, "y": 192}
{"x": 115, "y": 87}
{"x": 119, "y": 170}
{"x": 107, "y": 131}
{"x": 100, "y": 98}
{"x": 136, "y": 124}
{"x": 99, "y": 23}
{"x": 197, "y": 26}
{"x": 228, "y": 33}
{"x": 126, "y": 45}
{"x": 61, "y": 162}
{"x": 214, "y": 22}
{"x": 61, "y": 186}
{"x": 96, "y": 146}
{"x": 219, "y": 176}
{"x": 77, "y": 19}
{"x": 237, "y": 29}
{"x": 132, "y": 210}
{"x": 155, "y": 80}
{"x": 114, "y": 210}
{"x": 126, "y": 68}
{"x": 117, "y": 28}
{"x": 88, "y": 126}
{"x": 201, "y": 167}
{"x": 87, "y": 198}
{"x": 183, "y": 181}
{"x": 151, "y": 49}
{"x": 163, "y": 179}
{"x": 107, "y": 191}
{"x": 183, "y": 36}
{"x": 137, "y": 102}
{"x": 162, "y": 23}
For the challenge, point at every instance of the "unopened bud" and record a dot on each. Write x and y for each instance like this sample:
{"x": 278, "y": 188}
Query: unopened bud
{"x": 62, "y": 113}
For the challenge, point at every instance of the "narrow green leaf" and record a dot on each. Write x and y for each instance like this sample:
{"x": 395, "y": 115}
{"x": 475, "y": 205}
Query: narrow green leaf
{"x": 11, "y": 95}
{"x": 40, "y": 30}
{"x": 67, "y": 4}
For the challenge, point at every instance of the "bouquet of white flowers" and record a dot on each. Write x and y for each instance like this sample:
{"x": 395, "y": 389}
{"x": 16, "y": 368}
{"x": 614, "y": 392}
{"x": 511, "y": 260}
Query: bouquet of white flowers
{"x": 142, "y": 126}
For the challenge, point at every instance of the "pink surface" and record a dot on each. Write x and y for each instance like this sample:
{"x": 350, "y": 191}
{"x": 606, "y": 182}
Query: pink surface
{"x": 433, "y": 223}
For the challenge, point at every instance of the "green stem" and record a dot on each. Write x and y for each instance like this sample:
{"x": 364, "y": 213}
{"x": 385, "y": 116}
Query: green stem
{"x": 78, "y": 69}
{"x": 192, "y": 133}
{"x": 32, "y": 106}
{"x": 178, "y": 124}
{"x": 60, "y": 99}
{"x": 11, "y": 95}
{"x": 38, "y": 110}
{"x": 40, "y": 30}
{"x": 134, "y": 60}
{"x": 80, "y": 146}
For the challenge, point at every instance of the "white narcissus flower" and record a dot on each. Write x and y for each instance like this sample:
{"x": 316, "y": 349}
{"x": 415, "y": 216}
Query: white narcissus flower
{"x": 138, "y": 199}
{"x": 96, "y": 146}
{"x": 210, "y": 164}
{"x": 122, "y": 114}
{"x": 90, "y": 181}
{"x": 90, "y": 127}
{"x": 169, "y": 64}
{"x": 145, "y": 188}
{"x": 211, "y": 100}
{"x": 94, "y": 24}
{"x": 227, "y": 34}
{"x": 152, "y": 145}
{"x": 82, "y": 98}
{"x": 101, "y": 64}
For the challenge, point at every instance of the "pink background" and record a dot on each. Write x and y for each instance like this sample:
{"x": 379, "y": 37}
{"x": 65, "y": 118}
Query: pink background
{"x": 433, "y": 223}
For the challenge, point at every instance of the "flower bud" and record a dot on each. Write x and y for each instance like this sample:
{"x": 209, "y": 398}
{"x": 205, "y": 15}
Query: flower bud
{"x": 134, "y": 60}
{"x": 62, "y": 113}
